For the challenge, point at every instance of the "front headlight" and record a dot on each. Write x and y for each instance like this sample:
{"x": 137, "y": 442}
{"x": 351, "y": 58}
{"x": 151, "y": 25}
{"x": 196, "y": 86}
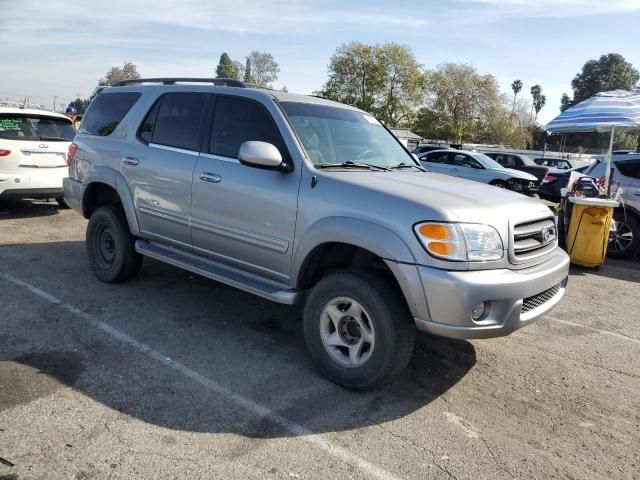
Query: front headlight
{"x": 471, "y": 242}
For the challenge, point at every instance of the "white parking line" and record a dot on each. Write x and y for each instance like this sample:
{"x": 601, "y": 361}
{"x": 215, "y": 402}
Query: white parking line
{"x": 249, "y": 405}
{"x": 593, "y": 329}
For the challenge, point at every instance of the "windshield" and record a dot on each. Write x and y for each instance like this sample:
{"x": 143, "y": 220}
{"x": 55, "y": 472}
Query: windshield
{"x": 528, "y": 160}
{"x": 332, "y": 135}
{"x": 18, "y": 126}
{"x": 487, "y": 162}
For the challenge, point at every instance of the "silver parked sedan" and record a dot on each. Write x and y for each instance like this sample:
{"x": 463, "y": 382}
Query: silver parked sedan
{"x": 479, "y": 167}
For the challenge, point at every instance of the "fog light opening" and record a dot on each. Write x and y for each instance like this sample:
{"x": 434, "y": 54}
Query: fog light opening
{"x": 477, "y": 312}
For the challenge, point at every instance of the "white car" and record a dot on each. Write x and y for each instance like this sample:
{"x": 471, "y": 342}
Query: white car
{"x": 477, "y": 166}
{"x": 33, "y": 153}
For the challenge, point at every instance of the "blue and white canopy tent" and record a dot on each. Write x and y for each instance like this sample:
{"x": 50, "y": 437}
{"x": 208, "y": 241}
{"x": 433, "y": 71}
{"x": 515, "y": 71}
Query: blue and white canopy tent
{"x": 604, "y": 112}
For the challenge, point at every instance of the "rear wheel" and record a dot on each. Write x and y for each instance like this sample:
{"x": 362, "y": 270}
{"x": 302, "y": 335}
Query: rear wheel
{"x": 624, "y": 237}
{"x": 358, "y": 329}
{"x": 110, "y": 246}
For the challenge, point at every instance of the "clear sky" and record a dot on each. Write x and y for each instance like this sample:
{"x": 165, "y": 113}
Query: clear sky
{"x": 62, "y": 47}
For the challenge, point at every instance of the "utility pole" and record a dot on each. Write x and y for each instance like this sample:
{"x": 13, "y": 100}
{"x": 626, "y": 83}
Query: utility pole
{"x": 54, "y": 103}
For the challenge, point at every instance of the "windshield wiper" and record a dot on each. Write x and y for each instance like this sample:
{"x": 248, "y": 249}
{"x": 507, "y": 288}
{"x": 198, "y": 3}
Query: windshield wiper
{"x": 409, "y": 165}
{"x": 55, "y": 139}
{"x": 351, "y": 164}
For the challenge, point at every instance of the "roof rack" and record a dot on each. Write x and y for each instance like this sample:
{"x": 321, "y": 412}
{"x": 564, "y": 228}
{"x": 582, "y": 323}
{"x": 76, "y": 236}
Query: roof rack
{"x": 224, "y": 82}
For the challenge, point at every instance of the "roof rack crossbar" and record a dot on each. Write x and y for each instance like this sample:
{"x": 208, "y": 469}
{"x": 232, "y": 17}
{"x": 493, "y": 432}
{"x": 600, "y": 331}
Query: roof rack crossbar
{"x": 225, "y": 82}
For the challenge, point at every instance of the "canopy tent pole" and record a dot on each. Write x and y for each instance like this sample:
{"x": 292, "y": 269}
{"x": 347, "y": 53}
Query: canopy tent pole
{"x": 609, "y": 155}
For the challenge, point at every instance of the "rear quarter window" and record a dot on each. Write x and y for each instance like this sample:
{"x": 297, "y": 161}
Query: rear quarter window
{"x": 629, "y": 169}
{"x": 106, "y": 111}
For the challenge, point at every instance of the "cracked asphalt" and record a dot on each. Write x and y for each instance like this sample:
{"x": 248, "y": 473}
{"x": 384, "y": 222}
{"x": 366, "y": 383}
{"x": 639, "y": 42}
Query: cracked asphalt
{"x": 175, "y": 376}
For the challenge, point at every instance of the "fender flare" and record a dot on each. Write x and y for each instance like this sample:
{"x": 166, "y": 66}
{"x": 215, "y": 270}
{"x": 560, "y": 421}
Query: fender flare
{"x": 365, "y": 234}
{"x": 114, "y": 179}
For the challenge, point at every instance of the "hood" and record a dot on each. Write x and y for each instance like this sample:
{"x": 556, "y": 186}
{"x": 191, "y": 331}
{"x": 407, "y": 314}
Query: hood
{"x": 516, "y": 174}
{"x": 418, "y": 196}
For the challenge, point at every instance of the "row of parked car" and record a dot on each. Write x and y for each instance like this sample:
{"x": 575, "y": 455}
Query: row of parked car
{"x": 515, "y": 171}
{"x": 546, "y": 177}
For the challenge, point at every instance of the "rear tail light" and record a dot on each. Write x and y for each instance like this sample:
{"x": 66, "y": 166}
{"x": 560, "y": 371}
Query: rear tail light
{"x": 73, "y": 148}
{"x": 4, "y": 153}
{"x": 549, "y": 179}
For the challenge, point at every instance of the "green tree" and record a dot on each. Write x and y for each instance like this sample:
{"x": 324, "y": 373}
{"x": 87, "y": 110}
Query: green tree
{"x": 403, "y": 84}
{"x": 609, "y": 72}
{"x": 129, "y": 71}
{"x": 462, "y": 105}
{"x": 263, "y": 69}
{"x": 565, "y": 102}
{"x": 538, "y": 104}
{"x": 356, "y": 75}
{"x": 80, "y": 105}
{"x": 385, "y": 80}
{"x": 536, "y": 91}
{"x": 247, "y": 72}
{"x": 457, "y": 101}
{"x": 227, "y": 69}
{"x": 516, "y": 86}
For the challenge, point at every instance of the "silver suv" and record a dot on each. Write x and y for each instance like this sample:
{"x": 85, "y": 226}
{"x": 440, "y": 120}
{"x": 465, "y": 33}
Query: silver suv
{"x": 624, "y": 238}
{"x": 298, "y": 199}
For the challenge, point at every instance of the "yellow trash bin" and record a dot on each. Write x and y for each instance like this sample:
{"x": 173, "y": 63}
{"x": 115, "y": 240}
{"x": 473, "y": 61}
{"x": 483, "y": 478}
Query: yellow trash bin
{"x": 588, "y": 234}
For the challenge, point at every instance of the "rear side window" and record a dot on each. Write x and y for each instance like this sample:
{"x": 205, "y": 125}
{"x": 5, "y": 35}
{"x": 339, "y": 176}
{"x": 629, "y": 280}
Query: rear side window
{"x": 18, "y": 126}
{"x": 440, "y": 157}
{"x": 629, "y": 168}
{"x": 177, "y": 122}
{"x": 106, "y": 111}
{"x": 237, "y": 120}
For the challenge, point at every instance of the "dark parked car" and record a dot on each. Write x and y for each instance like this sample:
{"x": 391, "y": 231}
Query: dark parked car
{"x": 554, "y": 181}
{"x": 557, "y": 163}
{"x": 520, "y": 162}
{"x": 420, "y": 149}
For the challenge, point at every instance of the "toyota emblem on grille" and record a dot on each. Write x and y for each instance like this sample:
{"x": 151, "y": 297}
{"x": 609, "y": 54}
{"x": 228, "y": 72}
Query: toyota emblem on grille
{"x": 548, "y": 234}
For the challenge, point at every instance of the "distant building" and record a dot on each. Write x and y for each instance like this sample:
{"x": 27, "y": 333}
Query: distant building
{"x": 407, "y": 137}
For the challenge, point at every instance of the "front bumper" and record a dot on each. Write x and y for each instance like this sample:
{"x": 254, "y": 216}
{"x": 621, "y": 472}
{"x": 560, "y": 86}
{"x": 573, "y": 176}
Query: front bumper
{"x": 45, "y": 184}
{"x": 451, "y": 295}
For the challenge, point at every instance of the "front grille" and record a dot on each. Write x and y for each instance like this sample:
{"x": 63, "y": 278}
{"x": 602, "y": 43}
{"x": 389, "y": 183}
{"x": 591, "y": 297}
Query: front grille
{"x": 533, "y": 239}
{"x": 536, "y": 301}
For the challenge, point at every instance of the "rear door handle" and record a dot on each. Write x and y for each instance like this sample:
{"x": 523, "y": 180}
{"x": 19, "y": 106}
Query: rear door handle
{"x": 130, "y": 161}
{"x": 210, "y": 177}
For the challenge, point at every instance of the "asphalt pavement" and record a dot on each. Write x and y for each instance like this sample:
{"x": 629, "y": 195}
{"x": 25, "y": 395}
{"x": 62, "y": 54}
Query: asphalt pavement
{"x": 175, "y": 376}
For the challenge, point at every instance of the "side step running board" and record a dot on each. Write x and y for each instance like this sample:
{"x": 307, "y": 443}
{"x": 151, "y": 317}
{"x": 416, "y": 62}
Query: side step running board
{"x": 274, "y": 291}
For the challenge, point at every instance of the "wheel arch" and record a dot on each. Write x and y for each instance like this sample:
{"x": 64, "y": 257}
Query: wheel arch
{"x": 108, "y": 187}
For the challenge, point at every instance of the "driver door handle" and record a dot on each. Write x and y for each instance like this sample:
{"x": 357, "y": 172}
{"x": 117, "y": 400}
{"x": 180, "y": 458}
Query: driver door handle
{"x": 130, "y": 161}
{"x": 210, "y": 177}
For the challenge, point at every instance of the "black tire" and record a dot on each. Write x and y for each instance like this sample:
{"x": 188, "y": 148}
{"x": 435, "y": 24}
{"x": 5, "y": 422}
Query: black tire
{"x": 499, "y": 184}
{"x": 562, "y": 236}
{"x": 110, "y": 246}
{"x": 388, "y": 315}
{"x": 626, "y": 225}
{"x": 61, "y": 203}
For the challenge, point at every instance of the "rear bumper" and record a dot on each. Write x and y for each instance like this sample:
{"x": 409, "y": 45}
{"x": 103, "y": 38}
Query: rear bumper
{"x": 45, "y": 184}
{"x": 451, "y": 295}
{"x": 73, "y": 194}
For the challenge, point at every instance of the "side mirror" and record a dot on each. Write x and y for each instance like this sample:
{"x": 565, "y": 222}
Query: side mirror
{"x": 260, "y": 155}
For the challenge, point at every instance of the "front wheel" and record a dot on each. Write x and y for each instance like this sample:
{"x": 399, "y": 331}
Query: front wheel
{"x": 499, "y": 184}
{"x": 358, "y": 329}
{"x": 624, "y": 237}
{"x": 110, "y": 246}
